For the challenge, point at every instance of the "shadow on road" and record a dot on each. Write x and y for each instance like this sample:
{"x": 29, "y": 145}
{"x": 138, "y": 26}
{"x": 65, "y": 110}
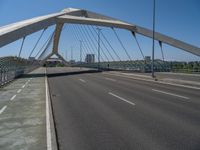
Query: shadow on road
{"x": 71, "y": 73}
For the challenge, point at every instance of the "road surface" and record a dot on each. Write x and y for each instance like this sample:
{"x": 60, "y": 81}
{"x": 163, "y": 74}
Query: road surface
{"x": 99, "y": 111}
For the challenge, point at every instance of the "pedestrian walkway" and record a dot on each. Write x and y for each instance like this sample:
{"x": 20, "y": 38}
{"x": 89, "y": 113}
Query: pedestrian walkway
{"x": 23, "y": 113}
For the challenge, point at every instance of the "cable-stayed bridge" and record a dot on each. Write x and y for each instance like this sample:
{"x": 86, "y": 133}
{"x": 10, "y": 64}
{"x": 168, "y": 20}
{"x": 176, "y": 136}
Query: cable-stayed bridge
{"x": 94, "y": 104}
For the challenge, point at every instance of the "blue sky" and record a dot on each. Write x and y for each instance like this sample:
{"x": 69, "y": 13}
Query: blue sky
{"x": 177, "y": 18}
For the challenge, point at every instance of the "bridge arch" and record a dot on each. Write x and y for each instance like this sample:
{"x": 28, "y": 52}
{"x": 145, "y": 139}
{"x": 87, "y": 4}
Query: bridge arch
{"x": 20, "y": 29}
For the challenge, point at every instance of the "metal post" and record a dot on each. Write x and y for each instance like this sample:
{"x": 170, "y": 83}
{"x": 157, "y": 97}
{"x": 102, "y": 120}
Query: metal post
{"x": 153, "y": 48}
{"x": 66, "y": 55}
{"x": 71, "y": 53}
{"x": 99, "y": 47}
{"x": 81, "y": 42}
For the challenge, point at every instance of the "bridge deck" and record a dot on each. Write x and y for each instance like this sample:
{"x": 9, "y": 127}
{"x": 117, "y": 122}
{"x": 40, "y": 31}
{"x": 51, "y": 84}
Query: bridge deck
{"x": 22, "y": 113}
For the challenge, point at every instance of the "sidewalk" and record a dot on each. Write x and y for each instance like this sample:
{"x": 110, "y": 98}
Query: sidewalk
{"x": 23, "y": 113}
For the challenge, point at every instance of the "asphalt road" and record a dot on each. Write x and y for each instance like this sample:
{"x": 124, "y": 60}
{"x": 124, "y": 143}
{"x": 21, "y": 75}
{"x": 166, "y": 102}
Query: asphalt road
{"x": 97, "y": 111}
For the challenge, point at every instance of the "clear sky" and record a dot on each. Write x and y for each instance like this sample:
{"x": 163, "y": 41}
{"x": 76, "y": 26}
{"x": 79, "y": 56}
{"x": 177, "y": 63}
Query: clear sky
{"x": 177, "y": 18}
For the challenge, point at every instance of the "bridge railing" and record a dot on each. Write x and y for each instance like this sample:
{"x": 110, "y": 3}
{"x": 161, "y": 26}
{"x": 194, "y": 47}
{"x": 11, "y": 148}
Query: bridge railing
{"x": 13, "y": 67}
{"x": 137, "y": 66}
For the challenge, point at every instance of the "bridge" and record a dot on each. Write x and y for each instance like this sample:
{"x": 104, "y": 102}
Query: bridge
{"x": 111, "y": 103}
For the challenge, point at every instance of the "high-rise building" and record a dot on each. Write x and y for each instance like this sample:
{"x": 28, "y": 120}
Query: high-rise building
{"x": 90, "y": 58}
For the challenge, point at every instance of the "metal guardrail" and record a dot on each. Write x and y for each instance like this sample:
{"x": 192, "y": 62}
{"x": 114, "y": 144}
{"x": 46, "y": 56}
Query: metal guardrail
{"x": 13, "y": 67}
{"x": 139, "y": 66}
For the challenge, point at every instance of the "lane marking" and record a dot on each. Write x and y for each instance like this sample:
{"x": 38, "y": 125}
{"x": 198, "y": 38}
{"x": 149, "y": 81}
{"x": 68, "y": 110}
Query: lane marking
{"x": 48, "y": 128}
{"x": 121, "y": 98}
{"x": 24, "y": 86}
{"x": 110, "y": 79}
{"x": 82, "y": 80}
{"x": 172, "y": 94}
{"x": 19, "y": 90}
{"x": 12, "y": 98}
{"x": 2, "y": 109}
{"x": 149, "y": 80}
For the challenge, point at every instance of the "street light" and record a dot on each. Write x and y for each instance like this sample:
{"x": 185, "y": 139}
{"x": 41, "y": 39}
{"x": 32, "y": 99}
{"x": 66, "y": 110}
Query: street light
{"x": 81, "y": 50}
{"x": 153, "y": 47}
{"x": 99, "y": 47}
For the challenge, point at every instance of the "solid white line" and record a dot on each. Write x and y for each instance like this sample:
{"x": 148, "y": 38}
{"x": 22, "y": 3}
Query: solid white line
{"x": 110, "y": 79}
{"x": 19, "y": 90}
{"x": 82, "y": 80}
{"x": 48, "y": 128}
{"x": 172, "y": 94}
{"x": 12, "y": 98}
{"x": 2, "y": 109}
{"x": 121, "y": 98}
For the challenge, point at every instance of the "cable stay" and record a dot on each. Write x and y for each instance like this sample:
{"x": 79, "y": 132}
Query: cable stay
{"x": 91, "y": 45}
{"x": 47, "y": 46}
{"x": 37, "y": 42}
{"x": 44, "y": 44}
{"x": 78, "y": 34}
{"x": 110, "y": 45}
{"x": 104, "y": 45}
{"x": 78, "y": 39}
{"x": 138, "y": 44}
{"x": 95, "y": 45}
{"x": 20, "y": 51}
{"x": 121, "y": 44}
{"x": 102, "y": 51}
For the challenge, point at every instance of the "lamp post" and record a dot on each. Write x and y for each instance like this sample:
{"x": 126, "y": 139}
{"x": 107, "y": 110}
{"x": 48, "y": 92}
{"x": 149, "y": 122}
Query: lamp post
{"x": 81, "y": 50}
{"x": 153, "y": 47}
{"x": 99, "y": 46}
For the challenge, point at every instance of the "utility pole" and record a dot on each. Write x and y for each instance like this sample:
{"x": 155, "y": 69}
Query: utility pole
{"x": 153, "y": 48}
{"x": 99, "y": 46}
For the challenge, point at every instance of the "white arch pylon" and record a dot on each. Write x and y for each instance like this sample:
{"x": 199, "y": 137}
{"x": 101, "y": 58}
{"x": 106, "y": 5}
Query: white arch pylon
{"x": 18, "y": 30}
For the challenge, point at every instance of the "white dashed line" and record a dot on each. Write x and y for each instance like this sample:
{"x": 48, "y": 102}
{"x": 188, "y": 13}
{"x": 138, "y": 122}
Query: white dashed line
{"x": 2, "y": 109}
{"x": 24, "y": 86}
{"x": 19, "y": 90}
{"x": 82, "y": 80}
{"x": 121, "y": 98}
{"x": 110, "y": 79}
{"x": 172, "y": 94}
{"x": 12, "y": 98}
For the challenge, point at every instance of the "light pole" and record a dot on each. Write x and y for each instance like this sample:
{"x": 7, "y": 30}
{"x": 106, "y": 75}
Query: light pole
{"x": 71, "y": 54}
{"x": 99, "y": 46}
{"x": 81, "y": 50}
{"x": 153, "y": 47}
{"x": 66, "y": 55}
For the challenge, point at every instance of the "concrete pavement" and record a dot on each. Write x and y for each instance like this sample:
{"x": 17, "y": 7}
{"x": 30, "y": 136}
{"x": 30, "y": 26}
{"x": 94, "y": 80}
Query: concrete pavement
{"x": 23, "y": 113}
{"x": 102, "y": 111}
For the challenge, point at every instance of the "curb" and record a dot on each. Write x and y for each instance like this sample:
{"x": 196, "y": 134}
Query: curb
{"x": 52, "y": 140}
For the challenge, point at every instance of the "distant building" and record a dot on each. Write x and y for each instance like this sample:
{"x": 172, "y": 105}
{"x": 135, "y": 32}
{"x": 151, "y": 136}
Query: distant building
{"x": 90, "y": 58}
{"x": 147, "y": 58}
